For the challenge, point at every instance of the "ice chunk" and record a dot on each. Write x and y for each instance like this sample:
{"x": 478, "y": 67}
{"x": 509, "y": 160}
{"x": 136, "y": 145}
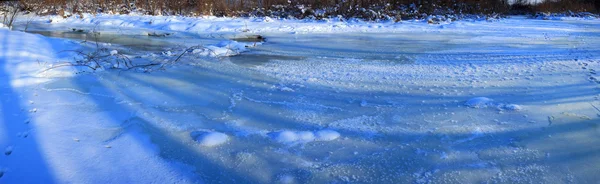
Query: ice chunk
{"x": 209, "y": 139}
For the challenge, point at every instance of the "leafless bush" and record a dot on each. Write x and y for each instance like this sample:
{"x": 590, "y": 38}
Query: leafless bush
{"x": 101, "y": 58}
{"x": 9, "y": 10}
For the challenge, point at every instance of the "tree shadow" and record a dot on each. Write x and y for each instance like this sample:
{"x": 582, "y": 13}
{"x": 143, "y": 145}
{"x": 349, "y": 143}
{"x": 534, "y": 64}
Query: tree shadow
{"x": 26, "y": 163}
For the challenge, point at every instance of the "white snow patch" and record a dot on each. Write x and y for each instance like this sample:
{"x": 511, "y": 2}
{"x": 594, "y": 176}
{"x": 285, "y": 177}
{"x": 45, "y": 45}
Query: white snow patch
{"x": 327, "y": 135}
{"x": 209, "y": 139}
{"x": 285, "y": 136}
{"x": 296, "y": 137}
{"x": 114, "y": 52}
{"x": 223, "y": 49}
{"x": 479, "y": 102}
{"x": 484, "y": 102}
{"x": 511, "y": 107}
{"x": 286, "y": 89}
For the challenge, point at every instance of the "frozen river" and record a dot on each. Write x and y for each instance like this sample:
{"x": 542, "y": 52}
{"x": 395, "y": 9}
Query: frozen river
{"x": 474, "y": 104}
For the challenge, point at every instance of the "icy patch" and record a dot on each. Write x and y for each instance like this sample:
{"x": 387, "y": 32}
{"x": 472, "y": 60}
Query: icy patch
{"x": 300, "y": 137}
{"x": 114, "y": 52}
{"x": 209, "y": 139}
{"x": 484, "y": 102}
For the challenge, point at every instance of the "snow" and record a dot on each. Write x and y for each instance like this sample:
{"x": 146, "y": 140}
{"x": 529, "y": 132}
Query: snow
{"x": 483, "y": 102}
{"x": 326, "y": 135}
{"x": 285, "y": 136}
{"x": 209, "y": 139}
{"x": 479, "y": 102}
{"x": 319, "y": 102}
{"x": 512, "y": 107}
{"x": 140, "y": 24}
{"x": 302, "y": 137}
{"x": 223, "y": 49}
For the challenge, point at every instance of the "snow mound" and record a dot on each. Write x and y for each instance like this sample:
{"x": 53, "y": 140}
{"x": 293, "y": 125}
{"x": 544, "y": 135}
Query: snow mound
{"x": 223, "y": 49}
{"x": 296, "y": 137}
{"x": 327, "y": 135}
{"x": 209, "y": 139}
{"x": 479, "y": 102}
{"x": 510, "y": 107}
{"x": 484, "y": 102}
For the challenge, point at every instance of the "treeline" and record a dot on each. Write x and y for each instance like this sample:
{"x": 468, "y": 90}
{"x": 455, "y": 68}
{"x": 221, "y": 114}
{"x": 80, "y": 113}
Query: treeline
{"x": 555, "y": 6}
{"x": 317, "y": 9}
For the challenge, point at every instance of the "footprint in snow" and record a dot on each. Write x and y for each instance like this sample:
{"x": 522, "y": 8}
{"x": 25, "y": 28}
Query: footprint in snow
{"x": 24, "y": 134}
{"x": 8, "y": 150}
